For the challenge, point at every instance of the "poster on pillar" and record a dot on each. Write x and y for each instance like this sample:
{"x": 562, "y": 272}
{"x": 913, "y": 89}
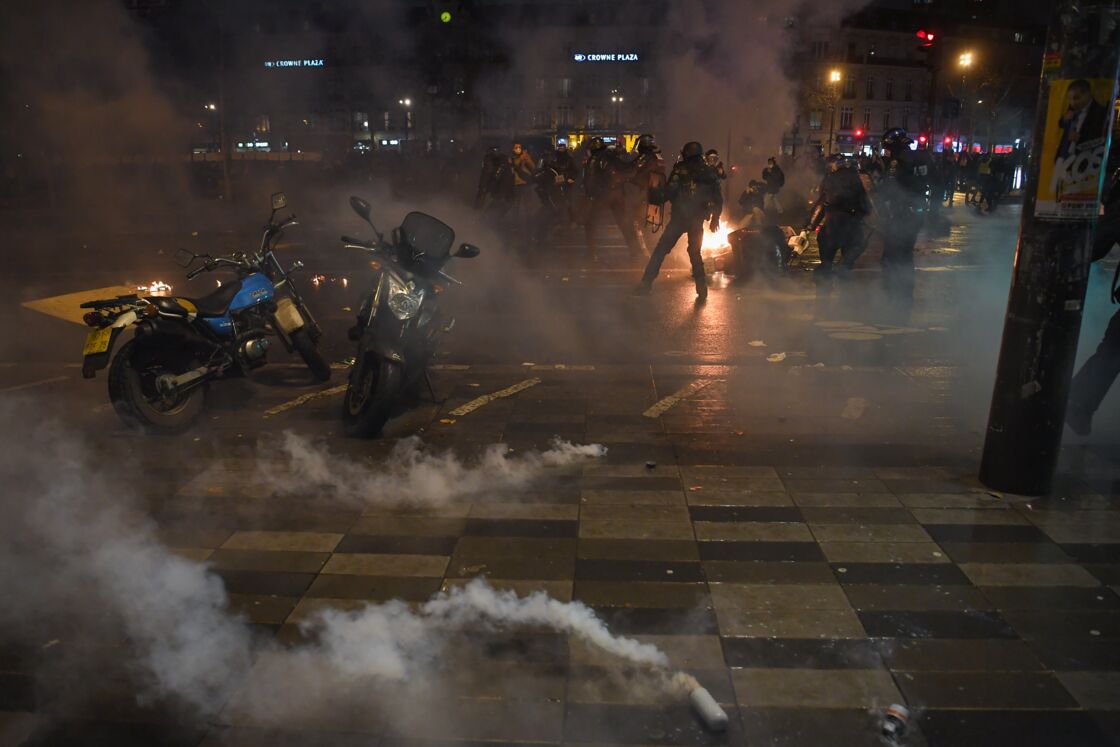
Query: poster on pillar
{"x": 1073, "y": 148}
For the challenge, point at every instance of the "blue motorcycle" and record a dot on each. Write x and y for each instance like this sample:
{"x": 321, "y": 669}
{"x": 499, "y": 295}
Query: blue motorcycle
{"x": 158, "y": 380}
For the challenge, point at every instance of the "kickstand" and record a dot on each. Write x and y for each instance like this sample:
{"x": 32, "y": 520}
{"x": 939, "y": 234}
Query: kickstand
{"x": 431, "y": 389}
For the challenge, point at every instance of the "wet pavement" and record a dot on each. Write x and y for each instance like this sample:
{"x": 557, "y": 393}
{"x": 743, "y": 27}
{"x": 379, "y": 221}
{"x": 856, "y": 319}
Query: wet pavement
{"x": 787, "y": 507}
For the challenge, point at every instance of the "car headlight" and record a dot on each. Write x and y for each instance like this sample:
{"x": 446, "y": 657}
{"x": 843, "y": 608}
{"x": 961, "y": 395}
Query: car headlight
{"x": 404, "y": 300}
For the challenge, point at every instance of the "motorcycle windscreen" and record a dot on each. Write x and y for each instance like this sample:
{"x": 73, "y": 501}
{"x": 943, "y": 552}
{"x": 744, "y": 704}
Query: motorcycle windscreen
{"x": 428, "y": 235}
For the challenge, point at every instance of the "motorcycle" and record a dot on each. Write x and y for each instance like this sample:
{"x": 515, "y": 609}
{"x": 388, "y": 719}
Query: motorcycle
{"x": 400, "y": 320}
{"x": 158, "y": 380}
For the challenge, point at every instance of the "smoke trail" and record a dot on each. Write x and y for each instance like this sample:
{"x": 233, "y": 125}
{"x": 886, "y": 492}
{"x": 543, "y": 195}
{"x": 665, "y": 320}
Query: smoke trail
{"x": 389, "y": 640}
{"x": 412, "y": 476}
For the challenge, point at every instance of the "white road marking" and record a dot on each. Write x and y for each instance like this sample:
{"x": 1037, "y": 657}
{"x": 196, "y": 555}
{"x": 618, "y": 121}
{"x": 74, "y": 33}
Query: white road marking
{"x": 304, "y": 399}
{"x": 31, "y": 384}
{"x": 662, "y": 405}
{"x": 485, "y": 399}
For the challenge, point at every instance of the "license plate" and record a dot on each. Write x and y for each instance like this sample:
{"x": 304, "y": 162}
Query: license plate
{"x": 97, "y": 341}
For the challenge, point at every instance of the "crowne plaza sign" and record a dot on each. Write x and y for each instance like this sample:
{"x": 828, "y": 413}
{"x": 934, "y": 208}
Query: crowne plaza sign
{"x": 606, "y": 57}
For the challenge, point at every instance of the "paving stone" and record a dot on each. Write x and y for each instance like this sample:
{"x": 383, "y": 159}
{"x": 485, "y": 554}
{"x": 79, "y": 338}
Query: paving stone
{"x": 361, "y": 564}
{"x": 623, "y": 549}
{"x": 1028, "y": 574}
{"x": 778, "y": 596}
{"x": 883, "y": 552}
{"x": 291, "y": 541}
{"x": 985, "y": 690}
{"x": 959, "y": 655}
{"x": 814, "y": 688}
{"x": 760, "y": 531}
{"x": 846, "y": 500}
{"x": 1098, "y": 691}
{"x": 914, "y": 597}
{"x": 789, "y": 623}
{"x": 869, "y": 533}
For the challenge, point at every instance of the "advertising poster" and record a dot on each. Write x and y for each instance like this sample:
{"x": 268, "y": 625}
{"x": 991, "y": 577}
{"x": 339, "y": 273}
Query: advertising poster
{"x": 1077, "y": 123}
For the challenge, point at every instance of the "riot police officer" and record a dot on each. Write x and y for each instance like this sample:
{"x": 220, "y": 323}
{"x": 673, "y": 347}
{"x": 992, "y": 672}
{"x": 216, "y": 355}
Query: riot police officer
{"x": 649, "y": 174}
{"x": 604, "y": 184}
{"x": 901, "y": 196}
{"x": 693, "y": 190}
{"x": 841, "y": 207}
{"x": 495, "y": 184}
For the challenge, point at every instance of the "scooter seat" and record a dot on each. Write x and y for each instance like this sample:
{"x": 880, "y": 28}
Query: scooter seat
{"x": 217, "y": 303}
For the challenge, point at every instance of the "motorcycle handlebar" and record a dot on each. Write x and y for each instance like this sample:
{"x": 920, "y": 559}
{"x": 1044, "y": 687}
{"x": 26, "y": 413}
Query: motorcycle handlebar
{"x": 357, "y": 242}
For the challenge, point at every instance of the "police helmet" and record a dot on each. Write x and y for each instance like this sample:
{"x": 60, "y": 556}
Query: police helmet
{"x": 596, "y": 144}
{"x": 692, "y": 150}
{"x": 646, "y": 143}
{"x": 895, "y": 136}
{"x": 561, "y": 147}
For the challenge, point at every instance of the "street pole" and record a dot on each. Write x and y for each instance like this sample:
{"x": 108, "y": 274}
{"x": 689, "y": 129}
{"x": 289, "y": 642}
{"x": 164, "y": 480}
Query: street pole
{"x": 831, "y": 121}
{"x": 1051, "y": 267}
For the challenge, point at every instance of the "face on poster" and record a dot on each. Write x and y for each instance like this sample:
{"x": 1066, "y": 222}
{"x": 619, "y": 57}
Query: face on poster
{"x": 1077, "y": 122}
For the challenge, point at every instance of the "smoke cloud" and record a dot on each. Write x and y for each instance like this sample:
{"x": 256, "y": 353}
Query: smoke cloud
{"x": 412, "y": 476}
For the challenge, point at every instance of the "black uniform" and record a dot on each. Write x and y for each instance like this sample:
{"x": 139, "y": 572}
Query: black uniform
{"x": 841, "y": 208}
{"x": 1095, "y": 378}
{"x": 495, "y": 184}
{"x": 693, "y": 189}
{"x": 604, "y": 182}
{"x": 902, "y": 197}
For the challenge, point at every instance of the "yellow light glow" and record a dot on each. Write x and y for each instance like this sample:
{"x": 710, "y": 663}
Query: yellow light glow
{"x": 834, "y": 76}
{"x": 965, "y": 59}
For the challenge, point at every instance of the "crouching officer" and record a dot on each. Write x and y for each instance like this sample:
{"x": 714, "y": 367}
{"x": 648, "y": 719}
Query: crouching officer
{"x": 841, "y": 208}
{"x": 693, "y": 190}
{"x": 902, "y": 196}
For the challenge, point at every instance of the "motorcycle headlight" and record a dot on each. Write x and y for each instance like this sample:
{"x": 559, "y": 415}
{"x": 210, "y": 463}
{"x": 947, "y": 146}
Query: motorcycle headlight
{"x": 404, "y": 300}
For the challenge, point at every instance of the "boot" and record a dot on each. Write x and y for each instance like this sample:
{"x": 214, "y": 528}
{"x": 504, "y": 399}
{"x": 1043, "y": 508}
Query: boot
{"x": 701, "y": 289}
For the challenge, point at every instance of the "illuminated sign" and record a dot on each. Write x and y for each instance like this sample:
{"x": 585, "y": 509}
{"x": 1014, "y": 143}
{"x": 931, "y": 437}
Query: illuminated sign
{"x": 295, "y": 63}
{"x": 610, "y": 57}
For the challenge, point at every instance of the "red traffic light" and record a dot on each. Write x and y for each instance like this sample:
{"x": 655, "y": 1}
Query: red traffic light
{"x": 927, "y": 38}
{"x": 922, "y": 139}
{"x": 859, "y": 133}
{"x": 948, "y": 141}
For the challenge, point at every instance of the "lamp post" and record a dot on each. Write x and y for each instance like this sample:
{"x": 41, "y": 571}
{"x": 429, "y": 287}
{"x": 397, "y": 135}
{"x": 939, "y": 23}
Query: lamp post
{"x": 834, "y": 80}
{"x": 407, "y": 104}
{"x": 965, "y": 62}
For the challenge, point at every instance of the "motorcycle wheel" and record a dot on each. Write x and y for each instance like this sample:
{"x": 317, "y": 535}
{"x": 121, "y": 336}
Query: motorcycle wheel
{"x": 132, "y": 390}
{"x": 309, "y": 351}
{"x": 373, "y": 391}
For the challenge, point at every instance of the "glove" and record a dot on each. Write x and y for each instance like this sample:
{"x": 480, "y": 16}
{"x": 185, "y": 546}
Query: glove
{"x": 714, "y": 225}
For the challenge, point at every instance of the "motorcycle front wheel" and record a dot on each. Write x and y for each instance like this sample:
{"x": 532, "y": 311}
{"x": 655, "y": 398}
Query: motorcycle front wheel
{"x": 136, "y": 400}
{"x": 309, "y": 351}
{"x": 373, "y": 391}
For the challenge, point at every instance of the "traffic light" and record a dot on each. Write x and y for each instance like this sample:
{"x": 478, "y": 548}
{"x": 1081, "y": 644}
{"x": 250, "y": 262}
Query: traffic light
{"x": 922, "y": 140}
{"x": 948, "y": 140}
{"x": 927, "y": 38}
{"x": 858, "y": 134}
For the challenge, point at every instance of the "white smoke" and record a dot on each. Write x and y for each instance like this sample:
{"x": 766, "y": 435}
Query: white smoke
{"x": 388, "y": 640}
{"x": 79, "y": 556}
{"x": 412, "y": 476}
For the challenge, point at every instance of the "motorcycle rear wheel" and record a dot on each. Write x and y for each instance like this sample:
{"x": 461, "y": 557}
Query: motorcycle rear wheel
{"x": 373, "y": 391}
{"x": 132, "y": 391}
{"x": 309, "y": 351}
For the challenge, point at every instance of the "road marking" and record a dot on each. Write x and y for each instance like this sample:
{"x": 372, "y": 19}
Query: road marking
{"x": 485, "y": 399}
{"x": 29, "y": 385}
{"x": 68, "y": 306}
{"x": 661, "y": 406}
{"x": 304, "y": 399}
{"x": 561, "y": 367}
{"x": 450, "y": 367}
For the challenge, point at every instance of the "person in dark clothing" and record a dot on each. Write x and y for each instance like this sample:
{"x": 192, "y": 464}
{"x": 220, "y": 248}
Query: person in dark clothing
{"x": 604, "y": 183}
{"x": 949, "y": 177}
{"x": 841, "y": 207}
{"x": 693, "y": 190}
{"x": 1097, "y": 375}
{"x": 775, "y": 179}
{"x": 712, "y": 159}
{"x": 649, "y": 173}
{"x": 567, "y": 167}
{"x": 551, "y": 188}
{"x": 901, "y": 196}
{"x": 495, "y": 184}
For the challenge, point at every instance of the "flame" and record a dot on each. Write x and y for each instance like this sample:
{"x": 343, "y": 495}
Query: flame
{"x": 715, "y": 241}
{"x": 155, "y": 288}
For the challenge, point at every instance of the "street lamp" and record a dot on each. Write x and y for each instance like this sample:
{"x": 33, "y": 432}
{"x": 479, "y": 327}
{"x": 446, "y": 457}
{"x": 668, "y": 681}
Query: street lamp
{"x": 965, "y": 62}
{"x": 616, "y": 99}
{"x": 407, "y": 104}
{"x": 834, "y": 78}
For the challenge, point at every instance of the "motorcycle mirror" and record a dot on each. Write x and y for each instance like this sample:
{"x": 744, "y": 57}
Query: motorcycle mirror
{"x": 467, "y": 251}
{"x": 361, "y": 207}
{"x": 279, "y": 201}
{"x": 183, "y": 258}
